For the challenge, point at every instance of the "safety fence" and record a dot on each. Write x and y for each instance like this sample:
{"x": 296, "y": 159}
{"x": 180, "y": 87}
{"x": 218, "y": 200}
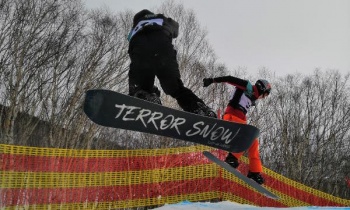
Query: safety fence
{"x": 49, "y": 178}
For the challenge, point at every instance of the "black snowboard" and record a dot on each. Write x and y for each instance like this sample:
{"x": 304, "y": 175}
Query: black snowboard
{"x": 112, "y": 109}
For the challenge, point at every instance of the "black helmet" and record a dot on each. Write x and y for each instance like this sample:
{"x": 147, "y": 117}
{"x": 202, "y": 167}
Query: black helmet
{"x": 263, "y": 86}
{"x": 140, "y": 15}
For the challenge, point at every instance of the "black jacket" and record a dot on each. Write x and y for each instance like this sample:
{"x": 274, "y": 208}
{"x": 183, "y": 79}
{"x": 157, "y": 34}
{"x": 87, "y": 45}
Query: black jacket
{"x": 147, "y": 21}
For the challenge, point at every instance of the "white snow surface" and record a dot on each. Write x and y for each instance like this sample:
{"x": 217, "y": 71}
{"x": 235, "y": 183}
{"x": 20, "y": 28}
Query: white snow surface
{"x": 227, "y": 205}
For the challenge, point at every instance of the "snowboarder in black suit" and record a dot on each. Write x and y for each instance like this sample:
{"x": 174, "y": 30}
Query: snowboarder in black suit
{"x": 153, "y": 55}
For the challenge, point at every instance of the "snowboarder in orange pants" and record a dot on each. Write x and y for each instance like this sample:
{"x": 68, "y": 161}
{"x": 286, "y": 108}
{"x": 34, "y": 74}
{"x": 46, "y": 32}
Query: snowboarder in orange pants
{"x": 243, "y": 97}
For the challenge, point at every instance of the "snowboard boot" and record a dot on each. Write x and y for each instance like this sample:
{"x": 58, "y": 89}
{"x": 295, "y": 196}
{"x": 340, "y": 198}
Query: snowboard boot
{"x": 151, "y": 97}
{"x": 204, "y": 110}
{"x": 232, "y": 160}
{"x": 256, "y": 176}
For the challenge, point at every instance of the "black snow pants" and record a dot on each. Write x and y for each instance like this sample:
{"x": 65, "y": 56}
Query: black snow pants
{"x": 153, "y": 55}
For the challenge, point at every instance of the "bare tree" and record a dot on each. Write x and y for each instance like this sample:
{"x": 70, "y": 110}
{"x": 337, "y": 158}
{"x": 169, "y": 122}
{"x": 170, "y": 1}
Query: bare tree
{"x": 307, "y": 129}
{"x": 51, "y": 53}
{"x": 34, "y": 35}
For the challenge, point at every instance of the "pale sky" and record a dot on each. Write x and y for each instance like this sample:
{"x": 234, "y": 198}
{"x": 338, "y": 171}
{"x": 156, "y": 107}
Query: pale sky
{"x": 285, "y": 36}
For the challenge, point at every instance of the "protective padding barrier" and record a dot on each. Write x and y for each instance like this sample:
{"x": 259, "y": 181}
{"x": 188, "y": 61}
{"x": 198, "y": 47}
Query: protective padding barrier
{"x": 49, "y": 178}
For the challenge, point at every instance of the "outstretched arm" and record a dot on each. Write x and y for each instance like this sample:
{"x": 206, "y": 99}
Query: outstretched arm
{"x": 241, "y": 84}
{"x": 237, "y": 82}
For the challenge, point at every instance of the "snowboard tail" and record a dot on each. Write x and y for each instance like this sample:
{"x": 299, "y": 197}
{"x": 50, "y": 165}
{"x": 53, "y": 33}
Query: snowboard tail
{"x": 239, "y": 175}
{"x": 116, "y": 110}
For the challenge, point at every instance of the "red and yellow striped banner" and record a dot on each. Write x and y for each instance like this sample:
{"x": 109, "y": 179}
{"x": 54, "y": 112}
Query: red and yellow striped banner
{"x": 42, "y": 178}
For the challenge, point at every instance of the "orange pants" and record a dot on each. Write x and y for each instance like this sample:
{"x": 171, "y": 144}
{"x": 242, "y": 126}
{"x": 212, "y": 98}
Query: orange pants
{"x": 253, "y": 151}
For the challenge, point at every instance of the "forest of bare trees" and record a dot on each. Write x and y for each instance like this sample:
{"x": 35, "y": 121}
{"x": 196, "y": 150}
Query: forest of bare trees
{"x": 52, "y": 51}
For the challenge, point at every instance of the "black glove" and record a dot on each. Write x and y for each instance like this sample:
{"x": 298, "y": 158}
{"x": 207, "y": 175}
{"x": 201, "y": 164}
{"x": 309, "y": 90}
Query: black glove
{"x": 232, "y": 160}
{"x": 207, "y": 81}
{"x": 256, "y": 176}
